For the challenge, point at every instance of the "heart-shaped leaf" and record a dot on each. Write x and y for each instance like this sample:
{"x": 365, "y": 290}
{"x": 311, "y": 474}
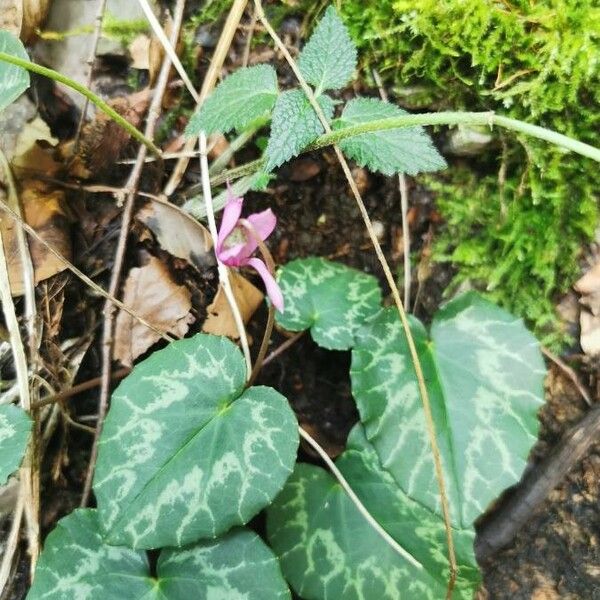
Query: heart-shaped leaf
{"x": 77, "y": 564}
{"x": 13, "y": 80}
{"x": 186, "y": 453}
{"x": 329, "y": 298}
{"x": 484, "y": 373}
{"x": 241, "y": 98}
{"x": 15, "y": 426}
{"x": 402, "y": 150}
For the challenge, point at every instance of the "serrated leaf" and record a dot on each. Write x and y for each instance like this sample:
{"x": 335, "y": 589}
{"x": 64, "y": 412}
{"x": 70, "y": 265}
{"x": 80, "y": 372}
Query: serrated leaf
{"x": 13, "y": 80}
{"x": 484, "y": 373}
{"x": 15, "y": 426}
{"x": 182, "y": 435}
{"x": 241, "y": 98}
{"x": 77, "y": 564}
{"x": 403, "y": 150}
{"x": 328, "y": 298}
{"x": 328, "y": 59}
{"x": 295, "y": 124}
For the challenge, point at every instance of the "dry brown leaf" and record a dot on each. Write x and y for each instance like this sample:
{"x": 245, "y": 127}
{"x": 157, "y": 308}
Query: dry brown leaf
{"x": 43, "y": 209}
{"x": 139, "y": 49}
{"x": 151, "y": 292}
{"x": 179, "y": 234}
{"x": 23, "y": 18}
{"x": 590, "y": 282}
{"x": 590, "y": 333}
{"x": 220, "y": 318}
{"x": 102, "y": 140}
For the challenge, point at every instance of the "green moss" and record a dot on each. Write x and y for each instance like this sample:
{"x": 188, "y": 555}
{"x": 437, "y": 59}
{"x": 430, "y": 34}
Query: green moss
{"x": 123, "y": 30}
{"x": 538, "y": 62}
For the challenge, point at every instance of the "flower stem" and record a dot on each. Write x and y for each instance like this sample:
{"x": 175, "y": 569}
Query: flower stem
{"x": 96, "y": 100}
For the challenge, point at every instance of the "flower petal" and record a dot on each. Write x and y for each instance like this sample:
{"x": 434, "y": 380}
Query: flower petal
{"x": 234, "y": 256}
{"x": 273, "y": 289}
{"x": 264, "y": 222}
{"x": 231, "y": 214}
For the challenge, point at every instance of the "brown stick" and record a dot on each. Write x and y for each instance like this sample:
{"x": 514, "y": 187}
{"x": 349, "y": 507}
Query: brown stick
{"x": 507, "y": 521}
{"x": 77, "y": 389}
{"x": 439, "y": 473}
{"x": 131, "y": 187}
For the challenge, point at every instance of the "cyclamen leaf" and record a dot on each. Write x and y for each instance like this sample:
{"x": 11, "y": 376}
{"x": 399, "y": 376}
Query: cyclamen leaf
{"x": 181, "y": 435}
{"x": 329, "y": 298}
{"x": 484, "y": 373}
{"x": 328, "y": 59}
{"x": 403, "y": 150}
{"x": 77, "y": 564}
{"x": 15, "y": 426}
{"x": 295, "y": 124}
{"x": 241, "y": 98}
{"x": 13, "y": 80}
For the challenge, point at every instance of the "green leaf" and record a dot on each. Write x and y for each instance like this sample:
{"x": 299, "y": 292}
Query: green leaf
{"x": 329, "y": 298}
{"x": 403, "y": 150}
{"x": 244, "y": 96}
{"x": 484, "y": 373}
{"x": 77, "y": 564}
{"x": 329, "y": 58}
{"x": 295, "y": 124}
{"x": 186, "y": 453}
{"x": 328, "y": 550}
{"x": 13, "y": 80}
{"x": 15, "y": 426}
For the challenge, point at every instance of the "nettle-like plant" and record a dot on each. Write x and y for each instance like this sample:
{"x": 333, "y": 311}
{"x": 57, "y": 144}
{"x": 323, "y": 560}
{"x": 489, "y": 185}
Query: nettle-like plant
{"x": 190, "y": 453}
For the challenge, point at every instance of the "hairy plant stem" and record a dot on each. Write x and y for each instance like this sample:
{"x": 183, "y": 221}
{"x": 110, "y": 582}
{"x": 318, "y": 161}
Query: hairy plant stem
{"x": 430, "y": 425}
{"x": 96, "y": 100}
{"x": 412, "y": 120}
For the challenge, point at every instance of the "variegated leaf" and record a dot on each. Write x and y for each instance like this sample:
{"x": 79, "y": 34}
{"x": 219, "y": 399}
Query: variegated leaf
{"x": 76, "y": 564}
{"x": 185, "y": 452}
{"x": 13, "y": 80}
{"x": 15, "y": 426}
{"x": 484, "y": 373}
{"x": 329, "y": 298}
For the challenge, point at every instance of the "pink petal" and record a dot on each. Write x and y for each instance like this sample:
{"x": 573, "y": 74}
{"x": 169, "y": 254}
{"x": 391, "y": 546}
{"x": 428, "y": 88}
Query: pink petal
{"x": 264, "y": 222}
{"x": 234, "y": 256}
{"x": 273, "y": 289}
{"x": 231, "y": 215}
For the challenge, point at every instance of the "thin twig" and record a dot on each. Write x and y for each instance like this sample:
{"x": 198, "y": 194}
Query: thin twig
{"x": 77, "y": 389}
{"x": 283, "y": 347}
{"x": 131, "y": 187}
{"x": 439, "y": 473}
{"x": 249, "y": 36}
{"x": 403, "y": 189}
{"x": 210, "y": 79}
{"x": 223, "y": 271}
{"x": 30, "y": 480}
{"x": 357, "y": 502}
{"x": 90, "y": 64}
{"x": 11, "y": 543}
{"x": 569, "y": 372}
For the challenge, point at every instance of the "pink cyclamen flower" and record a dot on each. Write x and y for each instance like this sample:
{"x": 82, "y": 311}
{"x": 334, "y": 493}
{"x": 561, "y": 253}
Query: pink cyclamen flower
{"x": 235, "y": 244}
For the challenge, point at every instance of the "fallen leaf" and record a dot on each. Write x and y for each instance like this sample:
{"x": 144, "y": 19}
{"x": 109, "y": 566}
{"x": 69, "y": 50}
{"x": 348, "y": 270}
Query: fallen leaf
{"x": 304, "y": 169}
{"x": 590, "y": 282}
{"x": 34, "y": 15}
{"x": 590, "y": 333}
{"x": 179, "y": 234}
{"x": 102, "y": 140}
{"x": 139, "y": 49}
{"x": 220, "y": 318}
{"x": 43, "y": 209}
{"x": 151, "y": 292}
